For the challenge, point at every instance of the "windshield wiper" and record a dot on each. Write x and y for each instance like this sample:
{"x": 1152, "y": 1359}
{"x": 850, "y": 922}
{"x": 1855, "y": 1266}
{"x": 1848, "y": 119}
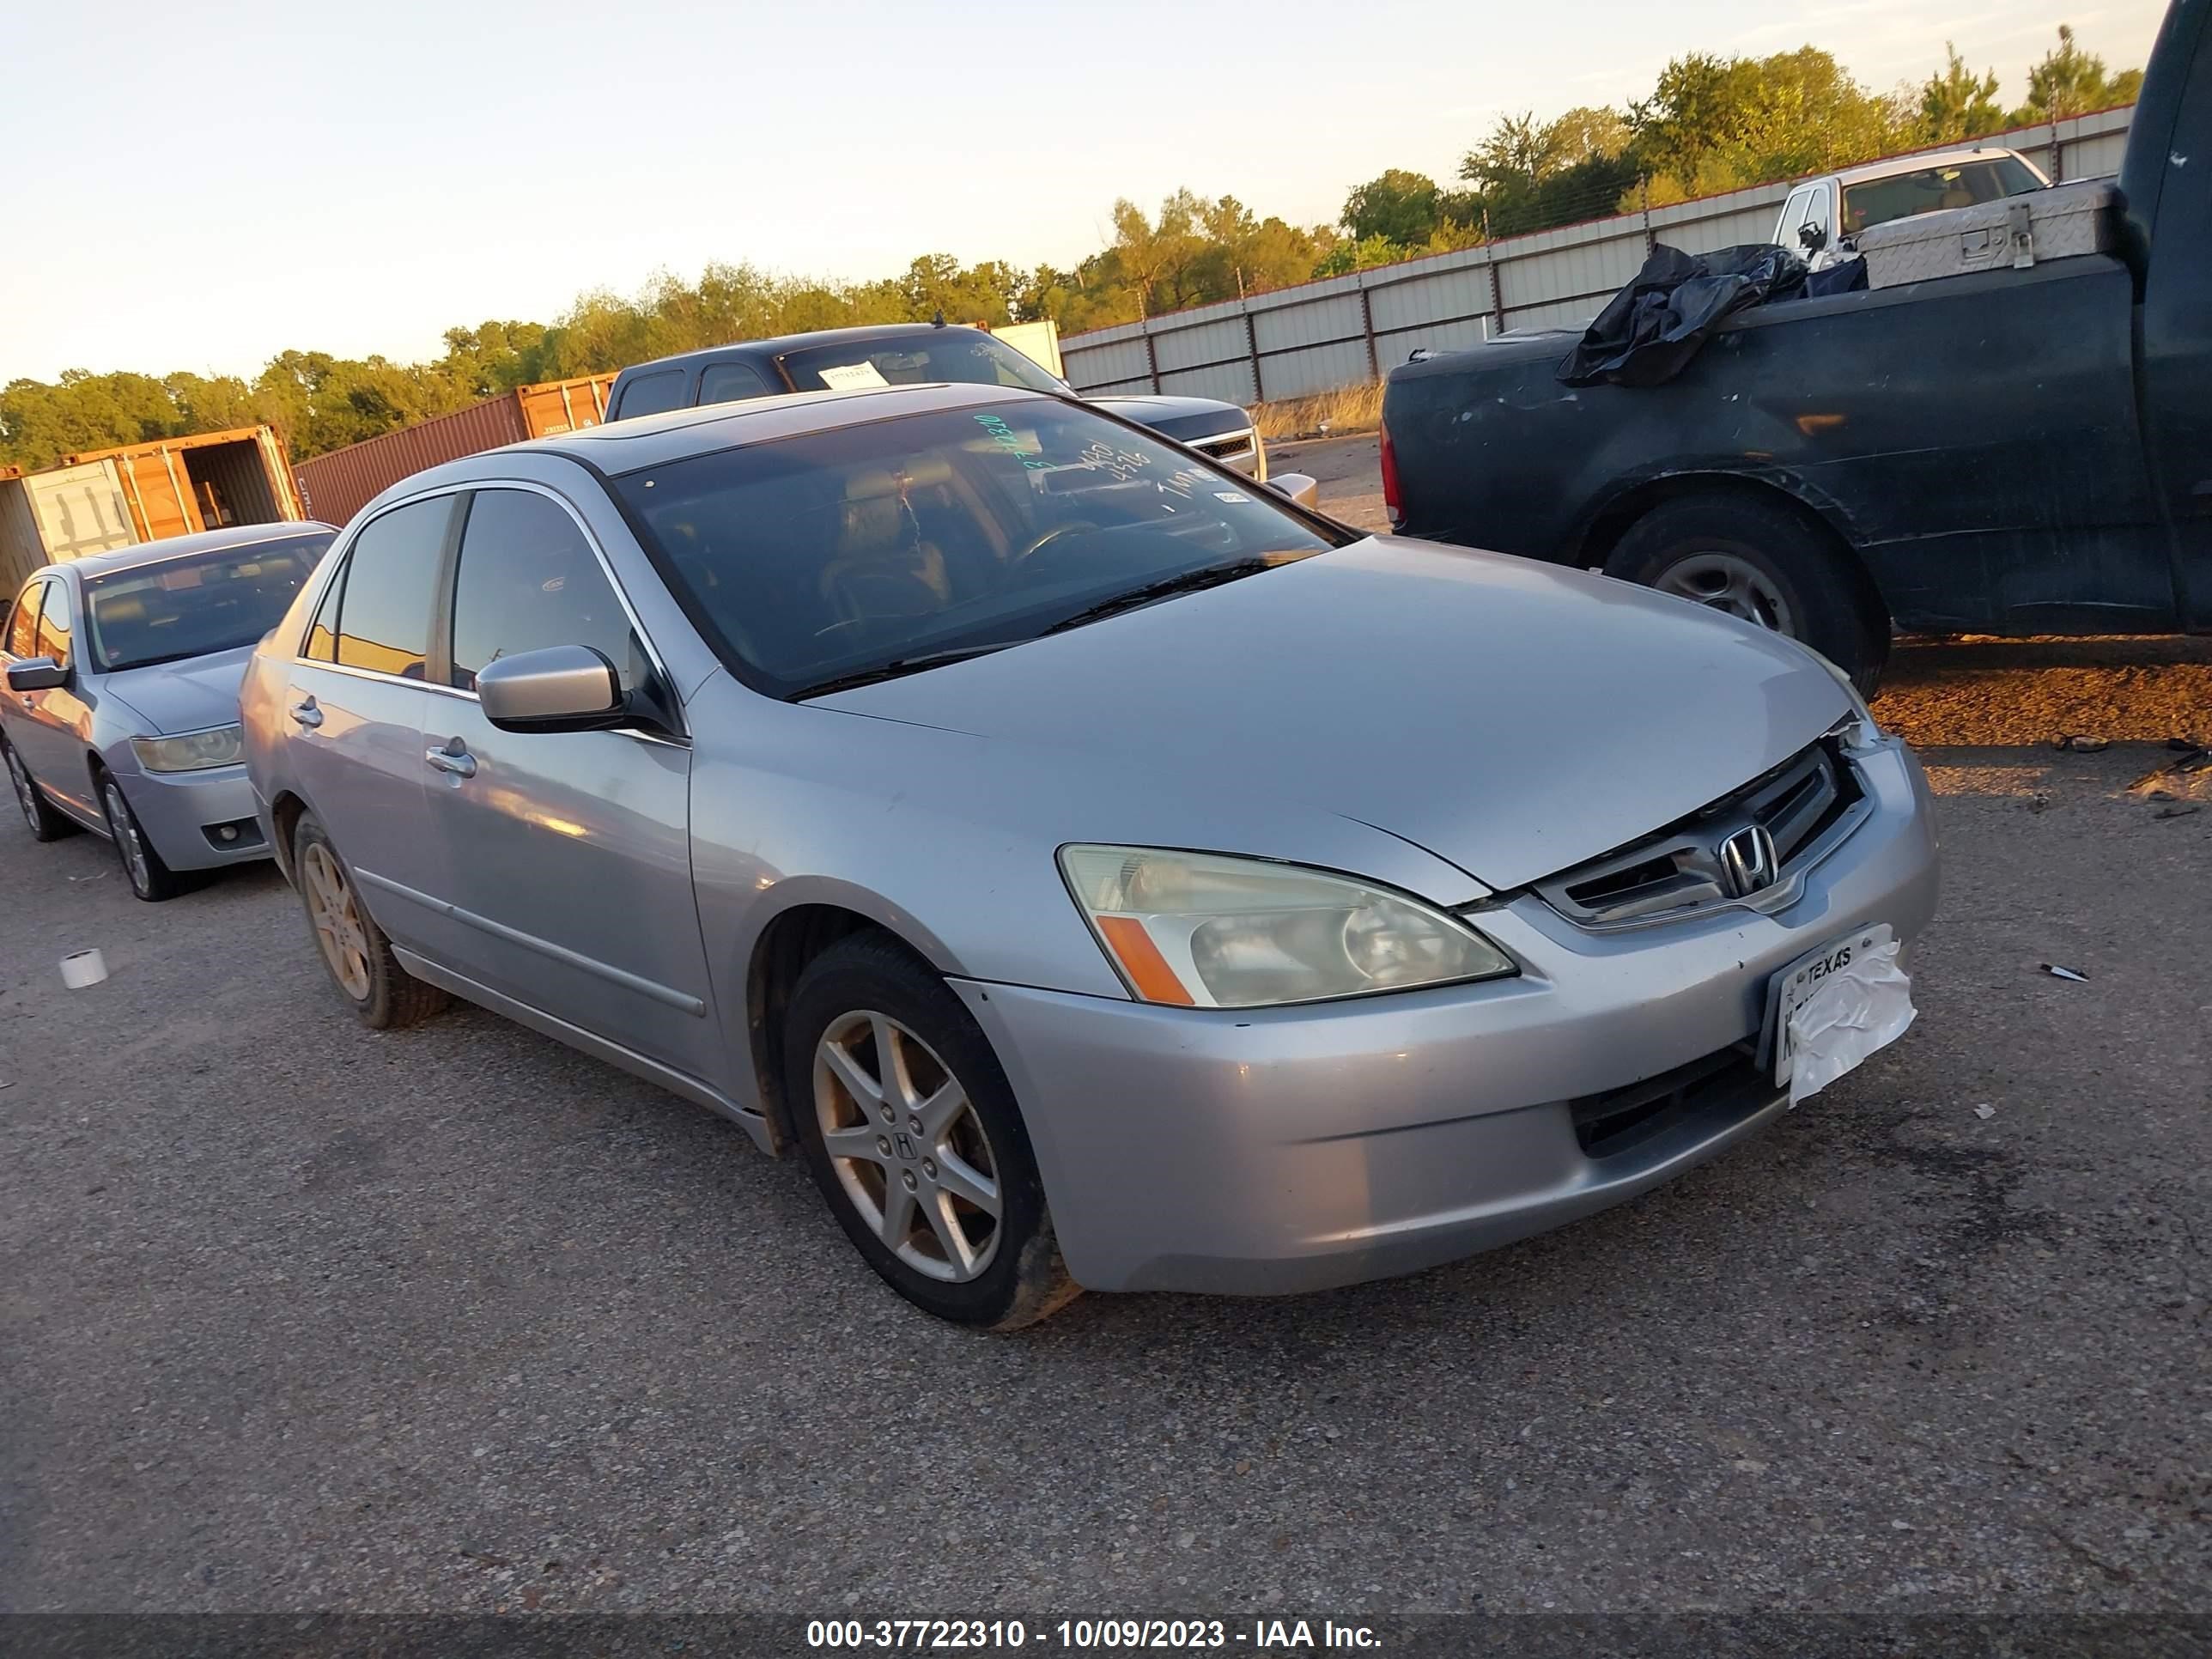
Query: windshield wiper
{"x": 1187, "y": 581}
{"x": 156, "y": 662}
{"x": 897, "y": 667}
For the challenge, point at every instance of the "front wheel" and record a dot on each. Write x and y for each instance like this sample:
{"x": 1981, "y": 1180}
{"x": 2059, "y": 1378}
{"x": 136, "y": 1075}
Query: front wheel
{"x": 1758, "y": 560}
{"x": 151, "y": 879}
{"x": 912, "y": 1134}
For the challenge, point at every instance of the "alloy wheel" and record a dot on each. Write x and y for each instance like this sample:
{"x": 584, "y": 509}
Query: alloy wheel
{"x": 337, "y": 919}
{"x": 123, "y": 828}
{"x": 908, "y": 1147}
{"x": 1727, "y": 582}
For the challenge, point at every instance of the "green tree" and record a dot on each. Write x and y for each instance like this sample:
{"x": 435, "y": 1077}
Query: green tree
{"x": 1957, "y": 105}
{"x": 1714, "y": 124}
{"x": 1530, "y": 175}
{"x": 1399, "y": 206}
{"x": 1365, "y": 254}
{"x": 80, "y": 411}
{"x": 2071, "y": 82}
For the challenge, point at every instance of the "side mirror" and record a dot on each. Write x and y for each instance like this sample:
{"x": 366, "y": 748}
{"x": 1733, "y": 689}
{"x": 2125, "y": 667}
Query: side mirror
{"x": 1300, "y": 488}
{"x": 563, "y": 688}
{"x": 37, "y": 674}
{"x": 1814, "y": 237}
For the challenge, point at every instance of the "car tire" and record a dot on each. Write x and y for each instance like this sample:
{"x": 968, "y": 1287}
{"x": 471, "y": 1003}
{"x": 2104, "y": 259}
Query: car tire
{"x": 45, "y": 822}
{"x": 911, "y": 1170}
{"x": 1759, "y": 560}
{"x": 150, "y": 878}
{"x": 367, "y": 977}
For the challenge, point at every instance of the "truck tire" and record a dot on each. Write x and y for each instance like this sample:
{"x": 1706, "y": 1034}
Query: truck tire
{"x": 1758, "y": 560}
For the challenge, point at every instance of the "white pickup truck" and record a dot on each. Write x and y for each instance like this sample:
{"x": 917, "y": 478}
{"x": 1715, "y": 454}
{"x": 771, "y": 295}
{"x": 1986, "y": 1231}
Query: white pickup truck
{"x": 1823, "y": 214}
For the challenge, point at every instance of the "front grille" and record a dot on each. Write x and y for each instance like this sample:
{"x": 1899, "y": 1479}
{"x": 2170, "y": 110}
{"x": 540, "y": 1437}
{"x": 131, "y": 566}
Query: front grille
{"x": 1680, "y": 868}
{"x": 1234, "y": 447}
{"x": 1722, "y": 1088}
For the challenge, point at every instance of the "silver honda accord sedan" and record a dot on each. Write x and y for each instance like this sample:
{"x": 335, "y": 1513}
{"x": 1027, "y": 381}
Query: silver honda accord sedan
{"x": 1106, "y": 871}
{"x": 121, "y": 715}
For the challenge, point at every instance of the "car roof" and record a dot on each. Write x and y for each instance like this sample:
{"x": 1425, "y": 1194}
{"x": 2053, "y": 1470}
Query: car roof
{"x": 1899, "y": 165}
{"x": 205, "y": 541}
{"x": 657, "y": 440}
{"x": 777, "y": 346}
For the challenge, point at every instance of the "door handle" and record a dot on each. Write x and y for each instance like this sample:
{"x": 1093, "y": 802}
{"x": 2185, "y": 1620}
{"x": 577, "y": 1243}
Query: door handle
{"x": 306, "y": 714}
{"x": 453, "y": 758}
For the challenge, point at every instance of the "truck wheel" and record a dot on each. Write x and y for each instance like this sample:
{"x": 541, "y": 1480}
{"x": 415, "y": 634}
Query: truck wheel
{"x": 1762, "y": 563}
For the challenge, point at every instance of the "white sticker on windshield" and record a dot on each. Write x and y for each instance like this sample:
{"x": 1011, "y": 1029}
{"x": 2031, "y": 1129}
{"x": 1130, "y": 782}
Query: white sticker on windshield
{"x": 1231, "y": 496}
{"x": 852, "y": 377}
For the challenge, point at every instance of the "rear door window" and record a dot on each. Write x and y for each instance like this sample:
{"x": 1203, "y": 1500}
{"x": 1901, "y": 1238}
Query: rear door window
{"x": 730, "y": 383}
{"x": 652, "y": 394}
{"x": 391, "y": 588}
{"x": 528, "y": 579}
{"x": 23, "y": 624}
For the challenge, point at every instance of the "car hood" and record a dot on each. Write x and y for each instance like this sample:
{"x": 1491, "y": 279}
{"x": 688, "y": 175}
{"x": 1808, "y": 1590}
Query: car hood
{"x": 1182, "y": 419}
{"x": 185, "y": 697}
{"x": 1511, "y": 717}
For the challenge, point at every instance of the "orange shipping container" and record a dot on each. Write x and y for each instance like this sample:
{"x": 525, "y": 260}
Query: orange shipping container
{"x": 339, "y": 484}
{"x": 104, "y": 498}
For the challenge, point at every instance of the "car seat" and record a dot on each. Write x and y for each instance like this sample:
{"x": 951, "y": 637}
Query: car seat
{"x": 882, "y": 567}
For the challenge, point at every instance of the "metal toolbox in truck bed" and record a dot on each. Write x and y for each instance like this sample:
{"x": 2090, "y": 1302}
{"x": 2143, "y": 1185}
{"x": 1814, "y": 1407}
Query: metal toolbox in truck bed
{"x": 2061, "y": 222}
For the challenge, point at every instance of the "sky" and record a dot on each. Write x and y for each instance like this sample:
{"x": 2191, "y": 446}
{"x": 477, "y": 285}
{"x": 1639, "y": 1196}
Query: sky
{"x": 201, "y": 188}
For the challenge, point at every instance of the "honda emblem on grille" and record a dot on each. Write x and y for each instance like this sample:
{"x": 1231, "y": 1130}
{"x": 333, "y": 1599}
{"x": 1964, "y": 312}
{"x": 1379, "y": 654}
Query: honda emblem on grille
{"x": 1748, "y": 861}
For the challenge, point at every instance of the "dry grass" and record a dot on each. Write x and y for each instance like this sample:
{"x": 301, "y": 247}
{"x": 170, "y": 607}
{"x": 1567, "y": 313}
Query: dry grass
{"x": 1350, "y": 409}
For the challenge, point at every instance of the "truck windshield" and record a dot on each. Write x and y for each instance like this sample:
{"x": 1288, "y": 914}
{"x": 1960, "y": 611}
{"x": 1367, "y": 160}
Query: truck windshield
{"x": 1932, "y": 190}
{"x": 960, "y": 355}
{"x": 194, "y": 606}
{"x": 887, "y": 547}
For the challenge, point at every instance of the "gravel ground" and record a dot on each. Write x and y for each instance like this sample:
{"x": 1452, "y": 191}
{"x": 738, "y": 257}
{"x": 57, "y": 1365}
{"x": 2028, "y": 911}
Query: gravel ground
{"x": 299, "y": 1316}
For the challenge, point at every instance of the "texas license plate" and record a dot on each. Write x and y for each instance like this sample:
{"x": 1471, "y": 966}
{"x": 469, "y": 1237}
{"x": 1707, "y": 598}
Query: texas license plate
{"x": 1798, "y": 984}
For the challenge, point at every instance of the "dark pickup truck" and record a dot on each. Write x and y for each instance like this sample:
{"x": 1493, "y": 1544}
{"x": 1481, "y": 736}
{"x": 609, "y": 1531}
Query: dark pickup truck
{"x": 2012, "y": 452}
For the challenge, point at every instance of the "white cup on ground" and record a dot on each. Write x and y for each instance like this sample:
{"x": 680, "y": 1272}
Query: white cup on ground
{"x": 83, "y": 967}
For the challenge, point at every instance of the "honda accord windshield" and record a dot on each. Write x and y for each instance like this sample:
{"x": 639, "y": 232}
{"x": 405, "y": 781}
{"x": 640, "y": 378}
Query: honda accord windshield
{"x": 891, "y": 547}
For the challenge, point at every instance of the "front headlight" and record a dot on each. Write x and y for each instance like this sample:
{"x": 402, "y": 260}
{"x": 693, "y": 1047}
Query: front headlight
{"x": 1198, "y": 929}
{"x": 219, "y": 745}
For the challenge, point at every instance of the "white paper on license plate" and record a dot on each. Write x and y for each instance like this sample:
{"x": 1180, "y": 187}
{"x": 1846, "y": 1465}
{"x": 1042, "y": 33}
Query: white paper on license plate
{"x": 1834, "y": 1007}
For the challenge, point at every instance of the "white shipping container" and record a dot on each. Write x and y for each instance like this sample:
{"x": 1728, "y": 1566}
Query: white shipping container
{"x": 80, "y": 510}
{"x": 1038, "y": 341}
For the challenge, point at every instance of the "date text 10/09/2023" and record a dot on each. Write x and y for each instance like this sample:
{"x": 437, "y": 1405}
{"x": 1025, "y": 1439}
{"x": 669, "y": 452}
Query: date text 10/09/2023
{"x": 1087, "y": 1635}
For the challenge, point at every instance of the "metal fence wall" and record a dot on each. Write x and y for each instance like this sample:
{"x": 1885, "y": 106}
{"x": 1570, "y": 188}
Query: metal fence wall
{"x": 1344, "y": 330}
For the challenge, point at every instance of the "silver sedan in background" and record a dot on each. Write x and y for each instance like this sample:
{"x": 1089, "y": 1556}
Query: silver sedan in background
{"x": 1106, "y": 871}
{"x": 121, "y": 713}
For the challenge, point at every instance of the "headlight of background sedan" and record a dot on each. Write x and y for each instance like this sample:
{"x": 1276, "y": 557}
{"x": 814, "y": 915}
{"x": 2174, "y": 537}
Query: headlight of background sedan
{"x": 219, "y": 745}
{"x": 1198, "y": 929}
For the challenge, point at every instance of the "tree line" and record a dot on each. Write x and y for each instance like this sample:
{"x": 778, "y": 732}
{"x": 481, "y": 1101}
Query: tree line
{"x": 1711, "y": 123}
